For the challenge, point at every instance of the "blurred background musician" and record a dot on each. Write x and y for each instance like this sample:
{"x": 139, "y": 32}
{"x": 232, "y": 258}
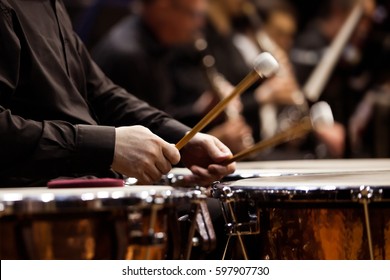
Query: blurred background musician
{"x": 369, "y": 128}
{"x": 250, "y": 37}
{"x": 269, "y": 26}
{"x": 351, "y": 77}
{"x": 233, "y": 63}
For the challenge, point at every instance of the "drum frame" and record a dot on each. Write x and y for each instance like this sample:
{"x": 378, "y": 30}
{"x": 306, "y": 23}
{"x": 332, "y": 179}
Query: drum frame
{"x": 123, "y": 210}
{"x": 362, "y": 195}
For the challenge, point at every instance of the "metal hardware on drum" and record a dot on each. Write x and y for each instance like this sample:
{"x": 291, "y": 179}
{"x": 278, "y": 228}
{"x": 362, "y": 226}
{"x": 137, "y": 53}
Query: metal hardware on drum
{"x": 200, "y": 223}
{"x": 234, "y": 227}
{"x": 198, "y": 217}
{"x": 364, "y": 196}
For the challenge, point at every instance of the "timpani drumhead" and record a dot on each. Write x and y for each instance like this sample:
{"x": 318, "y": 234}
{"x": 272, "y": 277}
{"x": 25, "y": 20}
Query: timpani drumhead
{"x": 258, "y": 169}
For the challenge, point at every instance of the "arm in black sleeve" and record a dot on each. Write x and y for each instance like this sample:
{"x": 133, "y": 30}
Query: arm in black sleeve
{"x": 41, "y": 149}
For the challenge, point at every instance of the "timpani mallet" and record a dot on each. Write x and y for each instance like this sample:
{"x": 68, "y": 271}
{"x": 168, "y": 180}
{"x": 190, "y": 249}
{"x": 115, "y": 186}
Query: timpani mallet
{"x": 265, "y": 66}
{"x": 320, "y": 117}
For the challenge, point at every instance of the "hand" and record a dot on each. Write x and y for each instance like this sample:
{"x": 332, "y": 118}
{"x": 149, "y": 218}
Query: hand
{"x": 277, "y": 90}
{"x": 359, "y": 121}
{"x": 204, "y": 156}
{"x": 282, "y": 88}
{"x": 235, "y": 134}
{"x": 334, "y": 139}
{"x": 205, "y": 103}
{"x": 143, "y": 155}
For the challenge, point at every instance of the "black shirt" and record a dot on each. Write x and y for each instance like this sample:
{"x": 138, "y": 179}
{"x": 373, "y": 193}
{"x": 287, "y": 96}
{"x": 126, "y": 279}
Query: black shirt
{"x": 57, "y": 109}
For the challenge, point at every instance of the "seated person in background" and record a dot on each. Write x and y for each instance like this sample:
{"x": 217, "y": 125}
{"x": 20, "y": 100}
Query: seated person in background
{"x": 280, "y": 23}
{"x": 139, "y": 53}
{"x": 369, "y": 127}
{"x": 351, "y": 77}
{"x": 228, "y": 62}
{"x": 270, "y": 26}
{"x": 230, "y": 31}
{"x": 61, "y": 116}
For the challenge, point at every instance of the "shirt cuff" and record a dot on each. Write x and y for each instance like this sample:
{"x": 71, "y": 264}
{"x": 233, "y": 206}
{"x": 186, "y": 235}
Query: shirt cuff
{"x": 96, "y": 145}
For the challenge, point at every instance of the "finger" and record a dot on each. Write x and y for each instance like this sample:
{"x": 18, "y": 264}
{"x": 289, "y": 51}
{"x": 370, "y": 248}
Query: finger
{"x": 163, "y": 165}
{"x": 221, "y": 170}
{"x": 171, "y": 153}
{"x": 218, "y": 151}
{"x": 208, "y": 176}
{"x": 203, "y": 176}
{"x": 143, "y": 179}
{"x": 150, "y": 176}
{"x": 191, "y": 180}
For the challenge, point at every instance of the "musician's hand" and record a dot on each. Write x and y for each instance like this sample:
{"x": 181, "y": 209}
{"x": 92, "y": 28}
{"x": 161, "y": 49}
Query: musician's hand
{"x": 204, "y": 156}
{"x": 209, "y": 99}
{"x": 205, "y": 103}
{"x": 334, "y": 139}
{"x": 278, "y": 90}
{"x": 141, "y": 154}
{"x": 235, "y": 134}
{"x": 360, "y": 119}
{"x": 283, "y": 88}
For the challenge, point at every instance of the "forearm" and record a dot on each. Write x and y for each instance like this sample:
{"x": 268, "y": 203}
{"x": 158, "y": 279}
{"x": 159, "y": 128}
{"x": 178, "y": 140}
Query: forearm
{"x": 52, "y": 148}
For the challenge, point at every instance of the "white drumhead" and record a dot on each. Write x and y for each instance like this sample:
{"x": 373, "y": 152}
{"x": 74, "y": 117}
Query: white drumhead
{"x": 317, "y": 181}
{"x": 296, "y": 167}
{"x": 314, "y": 166}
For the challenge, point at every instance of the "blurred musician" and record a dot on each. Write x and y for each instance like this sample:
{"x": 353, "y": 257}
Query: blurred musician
{"x": 351, "y": 77}
{"x": 280, "y": 23}
{"x": 61, "y": 116}
{"x": 273, "y": 32}
{"x": 142, "y": 54}
{"x": 234, "y": 64}
{"x": 235, "y": 42}
{"x": 369, "y": 128}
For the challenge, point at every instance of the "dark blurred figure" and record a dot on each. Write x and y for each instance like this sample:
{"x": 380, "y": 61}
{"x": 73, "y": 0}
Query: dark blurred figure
{"x": 270, "y": 25}
{"x": 279, "y": 21}
{"x": 235, "y": 46}
{"x": 369, "y": 126}
{"x": 351, "y": 77}
{"x": 93, "y": 18}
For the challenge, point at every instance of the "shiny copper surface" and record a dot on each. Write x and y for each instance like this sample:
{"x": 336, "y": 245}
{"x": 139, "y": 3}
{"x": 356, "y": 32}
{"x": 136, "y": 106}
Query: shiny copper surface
{"x": 83, "y": 236}
{"x": 93, "y": 223}
{"x": 309, "y": 216}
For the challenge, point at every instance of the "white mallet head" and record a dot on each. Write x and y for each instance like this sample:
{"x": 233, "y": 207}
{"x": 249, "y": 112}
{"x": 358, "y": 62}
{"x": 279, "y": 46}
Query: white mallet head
{"x": 265, "y": 65}
{"x": 321, "y": 115}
